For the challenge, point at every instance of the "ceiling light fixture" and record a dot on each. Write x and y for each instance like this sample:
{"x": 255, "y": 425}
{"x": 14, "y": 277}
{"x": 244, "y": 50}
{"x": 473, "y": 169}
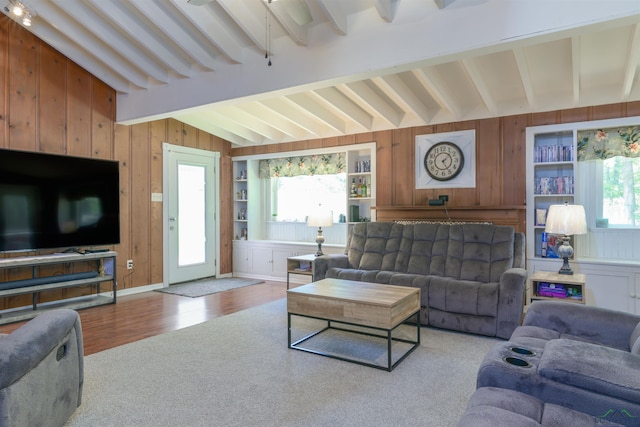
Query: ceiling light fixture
{"x": 18, "y": 10}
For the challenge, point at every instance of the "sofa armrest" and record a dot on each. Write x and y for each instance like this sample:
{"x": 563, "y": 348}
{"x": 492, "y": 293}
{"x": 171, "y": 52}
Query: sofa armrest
{"x": 512, "y": 288}
{"x": 596, "y": 324}
{"x": 26, "y": 347}
{"x": 323, "y": 263}
{"x": 592, "y": 367}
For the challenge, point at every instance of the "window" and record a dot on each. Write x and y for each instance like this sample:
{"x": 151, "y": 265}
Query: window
{"x": 297, "y": 184}
{"x": 620, "y": 185}
{"x": 609, "y": 167}
{"x": 294, "y": 197}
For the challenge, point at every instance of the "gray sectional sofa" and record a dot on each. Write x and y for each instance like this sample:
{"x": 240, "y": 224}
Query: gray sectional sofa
{"x": 471, "y": 276}
{"x": 573, "y": 356}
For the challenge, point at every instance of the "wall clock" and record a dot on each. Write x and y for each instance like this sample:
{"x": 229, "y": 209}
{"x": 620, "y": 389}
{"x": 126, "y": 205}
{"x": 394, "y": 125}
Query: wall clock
{"x": 446, "y": 160}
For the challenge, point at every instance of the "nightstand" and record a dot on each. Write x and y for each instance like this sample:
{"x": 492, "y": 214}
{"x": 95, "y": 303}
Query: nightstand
{"x": 544, "y": 285}
{"x": 300, "y": 264}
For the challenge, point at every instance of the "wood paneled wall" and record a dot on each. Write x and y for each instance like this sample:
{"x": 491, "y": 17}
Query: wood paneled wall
{"x": 49, "y": 104}
{"x": 500, "y": 157}
{"x": 139, "y": 150}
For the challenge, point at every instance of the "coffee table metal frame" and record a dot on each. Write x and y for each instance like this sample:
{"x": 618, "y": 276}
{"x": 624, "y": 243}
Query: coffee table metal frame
{"x": 330, "y": 325}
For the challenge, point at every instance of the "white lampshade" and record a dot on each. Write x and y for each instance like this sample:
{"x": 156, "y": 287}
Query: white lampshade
{"x": 566, "y": 219}
{"x": 320, "y": 218}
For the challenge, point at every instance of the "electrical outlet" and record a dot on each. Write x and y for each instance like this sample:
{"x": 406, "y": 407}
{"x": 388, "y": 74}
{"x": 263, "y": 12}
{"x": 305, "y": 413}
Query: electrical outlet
{"x": 129, "y": 264}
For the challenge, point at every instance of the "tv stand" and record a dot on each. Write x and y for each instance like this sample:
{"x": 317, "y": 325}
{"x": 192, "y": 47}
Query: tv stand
{"x": 105, "y": 271}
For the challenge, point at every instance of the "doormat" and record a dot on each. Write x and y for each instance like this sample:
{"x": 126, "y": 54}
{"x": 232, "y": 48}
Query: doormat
{"x": 208, "y": 286}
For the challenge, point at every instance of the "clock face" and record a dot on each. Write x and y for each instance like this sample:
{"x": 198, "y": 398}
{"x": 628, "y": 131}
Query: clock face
{"x": 444, "y": 161}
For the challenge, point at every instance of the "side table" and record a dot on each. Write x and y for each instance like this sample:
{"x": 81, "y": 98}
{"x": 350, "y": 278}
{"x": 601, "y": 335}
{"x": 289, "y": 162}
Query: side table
{"x": 300, "y": 264}
{"x": 544, "y": 285}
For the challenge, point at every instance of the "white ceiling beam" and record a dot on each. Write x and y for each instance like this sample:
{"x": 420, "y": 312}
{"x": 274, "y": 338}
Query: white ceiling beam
{"x": 258, "y": 126}
{"x": 399, "y": 92}
{"x": 54, "y": 17}
{"x": 336, "y": 17}
{"x": 575, "y": 69}
{"x": 126, "y": 23}
{"x": 204, "y": 122}
{"x": 367, "y": 98}
{"x": 254, "y": 28}
{"x": 277, "y": 120}
{"x": 336, "y": 101}
{"x": 108, "y": 34}
{"x": 525, "y": 75}
{"x": 297, "y": 32}
{"x": 386, "y": 9}
{"x": 433, "y": 83}
{"x": 223, "y": 121}
{"x": 305, "y": 102}
{"x": 483, "y": 89}
{"x": 285, "y": 108}
{"x": 212, "y": 26}
{"x": 631, "y": 62}
{"x": 175, "y": 32}
{"x": 73, "y": 51}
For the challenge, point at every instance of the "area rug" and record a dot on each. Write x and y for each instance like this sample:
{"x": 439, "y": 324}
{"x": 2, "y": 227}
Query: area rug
{"x": 236, "y": 370}
{"x": 208, "y": 286}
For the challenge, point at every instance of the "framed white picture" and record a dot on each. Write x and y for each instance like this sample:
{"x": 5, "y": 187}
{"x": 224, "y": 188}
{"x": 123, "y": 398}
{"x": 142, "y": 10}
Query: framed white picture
{"x": 446, "y": 160}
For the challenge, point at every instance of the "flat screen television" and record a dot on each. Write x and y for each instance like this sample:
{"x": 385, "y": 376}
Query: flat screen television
{"x": 51, "y": 201}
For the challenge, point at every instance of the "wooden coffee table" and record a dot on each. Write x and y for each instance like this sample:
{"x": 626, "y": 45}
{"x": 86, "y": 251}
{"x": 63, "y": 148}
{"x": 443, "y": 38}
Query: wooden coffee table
{"x": 344, "y": 302}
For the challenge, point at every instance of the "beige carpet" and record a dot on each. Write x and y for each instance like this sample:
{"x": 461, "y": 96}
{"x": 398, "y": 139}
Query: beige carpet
{"x": 236, "y": 370}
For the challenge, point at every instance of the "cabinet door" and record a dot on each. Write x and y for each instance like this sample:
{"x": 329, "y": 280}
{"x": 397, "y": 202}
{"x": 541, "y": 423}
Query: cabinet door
{"x": 262, "y": 261}
{"x": 240, "y": 259}
{"x": 611, "y": 288}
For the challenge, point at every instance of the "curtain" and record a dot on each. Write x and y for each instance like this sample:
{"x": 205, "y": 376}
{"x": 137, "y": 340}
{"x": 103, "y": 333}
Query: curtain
{"x": 323, "y": 164}
{"x": 607, "y": 143}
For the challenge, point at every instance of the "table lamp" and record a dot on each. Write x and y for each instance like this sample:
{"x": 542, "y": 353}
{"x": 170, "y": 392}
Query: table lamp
{"x": 320, "y": 218}
{"x": 566, "y": 220}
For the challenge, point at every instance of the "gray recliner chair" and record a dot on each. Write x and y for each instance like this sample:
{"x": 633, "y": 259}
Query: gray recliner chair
{"x": 579, "y": 357}
{"x": 41, "y": 370}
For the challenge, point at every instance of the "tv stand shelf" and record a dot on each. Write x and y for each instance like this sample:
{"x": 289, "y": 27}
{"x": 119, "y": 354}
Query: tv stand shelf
{"x": 105, "y": 272}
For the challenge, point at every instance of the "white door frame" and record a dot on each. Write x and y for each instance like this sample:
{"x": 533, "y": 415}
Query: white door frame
{"x": 166, "y": 148}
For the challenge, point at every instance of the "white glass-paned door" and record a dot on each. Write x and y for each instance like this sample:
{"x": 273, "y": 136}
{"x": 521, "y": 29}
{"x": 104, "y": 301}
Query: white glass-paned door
{"x": 190, "y": 199}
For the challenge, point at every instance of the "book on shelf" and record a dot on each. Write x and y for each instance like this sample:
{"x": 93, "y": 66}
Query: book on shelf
{"x": 553, "y": 185}
{"x": 549, "y": 245}
{"x": 553, "y": 153}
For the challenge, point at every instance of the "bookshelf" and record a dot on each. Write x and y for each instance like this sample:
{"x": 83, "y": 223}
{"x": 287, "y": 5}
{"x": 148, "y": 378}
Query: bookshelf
{"x": 551, "y": 159}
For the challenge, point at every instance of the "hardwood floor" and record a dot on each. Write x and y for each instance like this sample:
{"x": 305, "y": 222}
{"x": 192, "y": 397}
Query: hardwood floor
{"x": 143, "y": 315}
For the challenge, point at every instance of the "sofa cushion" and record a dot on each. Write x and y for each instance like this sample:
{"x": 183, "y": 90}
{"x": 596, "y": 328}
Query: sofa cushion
{"x": 374, "y": 245}
{"x": 603, "y": 370}
{"x": 478, "y": 252}
{"x": 352, "y": 274}
{"x": 536, "y": 336}
{"x": 416, "y": 248}
{"x": 411, "y": 280}
{"x": 461, "y": 296}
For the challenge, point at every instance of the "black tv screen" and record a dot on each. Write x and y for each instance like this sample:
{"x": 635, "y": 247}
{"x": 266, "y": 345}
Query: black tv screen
{"x": 51, "y": 201}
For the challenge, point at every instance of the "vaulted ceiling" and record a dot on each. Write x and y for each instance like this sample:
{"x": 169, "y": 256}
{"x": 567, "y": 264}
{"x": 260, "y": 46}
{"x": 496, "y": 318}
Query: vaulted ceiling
{"x": 260, "y": 72}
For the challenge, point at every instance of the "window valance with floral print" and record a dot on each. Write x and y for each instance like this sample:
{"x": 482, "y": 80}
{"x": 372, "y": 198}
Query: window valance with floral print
{"x": 321, "y": 164}
{"x": 607, "y": 143}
